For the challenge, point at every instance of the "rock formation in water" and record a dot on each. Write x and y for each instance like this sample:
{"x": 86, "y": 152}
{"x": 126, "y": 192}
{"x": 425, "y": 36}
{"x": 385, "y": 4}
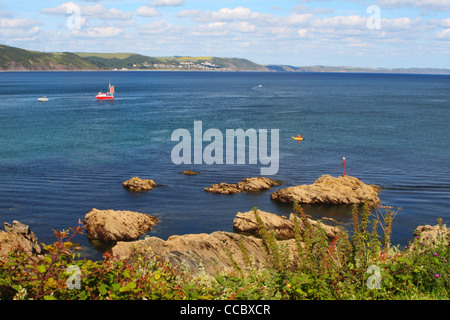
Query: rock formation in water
{"x": 138, "y": 184}
{"x": 214, "y": 251}
{"x": 111, "y": 225}
{"x": 190, "y": 172}
{"x": 246, "y": 185}
{"x": 330, "y": 190}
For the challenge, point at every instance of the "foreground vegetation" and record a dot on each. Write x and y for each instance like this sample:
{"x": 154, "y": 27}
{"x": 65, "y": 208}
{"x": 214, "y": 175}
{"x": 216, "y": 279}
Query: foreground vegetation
{"x": 360, "y": 264}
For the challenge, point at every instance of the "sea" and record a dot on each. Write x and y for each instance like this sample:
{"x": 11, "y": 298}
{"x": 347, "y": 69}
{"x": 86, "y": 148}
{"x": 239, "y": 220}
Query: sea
{"x": 60, "y": 159}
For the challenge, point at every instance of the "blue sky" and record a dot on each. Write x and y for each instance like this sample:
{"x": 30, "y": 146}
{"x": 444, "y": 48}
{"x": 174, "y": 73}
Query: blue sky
{"x": 364, "y": 33}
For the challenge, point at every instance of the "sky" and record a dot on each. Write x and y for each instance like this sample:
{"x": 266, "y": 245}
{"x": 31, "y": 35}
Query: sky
{"x": 359, "y": 33}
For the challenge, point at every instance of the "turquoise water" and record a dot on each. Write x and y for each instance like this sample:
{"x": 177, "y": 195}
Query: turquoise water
{"x": 62, "y": 158}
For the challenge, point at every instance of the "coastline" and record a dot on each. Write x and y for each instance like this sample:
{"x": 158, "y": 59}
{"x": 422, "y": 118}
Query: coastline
{"x": 241, "y": 71}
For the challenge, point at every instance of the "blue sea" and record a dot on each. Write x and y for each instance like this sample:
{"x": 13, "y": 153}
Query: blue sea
{"x": 61, "y": 158}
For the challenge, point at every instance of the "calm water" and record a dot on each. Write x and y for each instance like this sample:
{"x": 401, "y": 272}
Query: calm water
{"x": 62, "y": 158}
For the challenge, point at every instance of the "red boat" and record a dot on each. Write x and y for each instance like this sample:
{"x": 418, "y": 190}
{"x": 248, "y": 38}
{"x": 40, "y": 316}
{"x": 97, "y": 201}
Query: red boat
{"x": 108, "y": 95}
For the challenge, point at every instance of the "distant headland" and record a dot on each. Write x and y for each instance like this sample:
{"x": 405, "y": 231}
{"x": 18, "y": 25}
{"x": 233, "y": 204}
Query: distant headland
{"x": 16, "y": 59}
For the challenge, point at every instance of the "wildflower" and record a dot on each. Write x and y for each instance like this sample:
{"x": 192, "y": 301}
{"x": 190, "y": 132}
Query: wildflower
{"x": 435, "y": 254}
{"x": 437, "y": 275}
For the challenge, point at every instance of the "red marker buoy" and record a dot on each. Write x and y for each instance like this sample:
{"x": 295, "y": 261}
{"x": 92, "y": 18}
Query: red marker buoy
{"x": 343, "y": 164}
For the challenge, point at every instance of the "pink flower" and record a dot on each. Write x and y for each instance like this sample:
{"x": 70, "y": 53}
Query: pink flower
{"x": 437, "y": 275}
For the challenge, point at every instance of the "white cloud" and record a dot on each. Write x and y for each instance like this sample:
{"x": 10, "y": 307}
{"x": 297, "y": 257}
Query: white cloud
{"x": 18, "y": 23}
{"x": 435, "y": 5}
{"x": 398, "y": 23}
{"x": 61, "y": 9}
{"x": 19, "y": 29}
{"x": 147, "y": 12}
{"x": 443, "y": 35}
{"x": 353, "y": 21}
{"x": 92, "y": 11}
{"x": 161, "y": 27}
{"x": 212, "y": 29}
{"x": 299, "y": 18}
{"x": 444, "y": 23}
{"x": 98, "y": 32}
{"x": 239, "y": 13}
{"x": 302, "y": 32}
{"x": 244, "y": 26}
{"x": 224, "y": 14}
{"x": 166, "y": 3}
{"x": 223, "y": 28}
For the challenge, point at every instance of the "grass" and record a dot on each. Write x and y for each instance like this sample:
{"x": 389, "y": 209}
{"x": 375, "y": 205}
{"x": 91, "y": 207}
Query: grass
{"x": 357, "y": 265}
{"x": 119, "y": 56}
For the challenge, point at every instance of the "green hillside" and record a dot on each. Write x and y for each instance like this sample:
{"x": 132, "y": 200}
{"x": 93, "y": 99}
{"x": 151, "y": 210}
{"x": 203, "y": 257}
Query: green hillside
{"x": 24, "y": 60}
{"x": 140, "y": 62}
{"x": 16, "y": 59}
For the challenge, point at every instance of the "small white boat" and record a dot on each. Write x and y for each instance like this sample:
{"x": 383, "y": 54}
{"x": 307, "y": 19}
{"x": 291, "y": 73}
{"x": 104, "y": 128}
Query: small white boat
{"x": 43, "y": 99}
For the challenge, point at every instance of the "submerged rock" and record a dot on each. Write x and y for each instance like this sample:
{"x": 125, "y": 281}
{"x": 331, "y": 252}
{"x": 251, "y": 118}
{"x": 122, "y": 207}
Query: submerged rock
{"x": 138, "y": 184}
{"x": 246, "y": 185}
{"x": 190, "y": 172}
{"x": 330, "y": 190}
{"x": 111, "y": 225}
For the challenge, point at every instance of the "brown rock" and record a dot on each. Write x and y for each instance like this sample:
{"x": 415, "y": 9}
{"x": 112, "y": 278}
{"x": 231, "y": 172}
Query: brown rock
{"x": 111, "y": 225}
{"x": 283, "y": 228}
{"x": 212, "y": 251}
{"x": 190, "y": 172}
{"x": 246, "y": 222}
{"x": 19, "y": 236}
{"x": 330, "y": 190}
{"x": 138, "y": 184}
{"x": 432, "y": 234}
{"x": 246, "y": 185}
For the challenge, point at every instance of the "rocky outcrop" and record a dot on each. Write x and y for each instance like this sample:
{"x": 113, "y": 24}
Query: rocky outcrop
{"x": 190, "y": 172}
{"x": 220, "y": 251}
{"x": 284, "y": 228}
{"x": 138, "y": 184}
{"x": 246, "y": 185}
{"x": 19, "y": 236}
{"x": 330, "y": 190}
{"x": 245, "y": 222}
{"x": 111, "y": 225}
{"x": 214, "y": 252}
